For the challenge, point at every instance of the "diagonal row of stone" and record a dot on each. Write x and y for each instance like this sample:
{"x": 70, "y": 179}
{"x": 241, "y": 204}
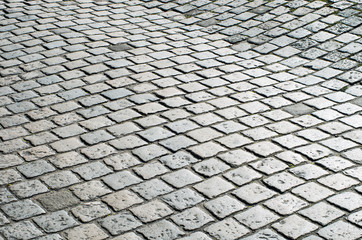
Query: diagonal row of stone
{"x": 180, "y": 119}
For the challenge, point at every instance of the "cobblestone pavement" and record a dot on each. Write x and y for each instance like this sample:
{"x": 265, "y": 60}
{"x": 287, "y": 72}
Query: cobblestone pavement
{"x": 180, "y": 119}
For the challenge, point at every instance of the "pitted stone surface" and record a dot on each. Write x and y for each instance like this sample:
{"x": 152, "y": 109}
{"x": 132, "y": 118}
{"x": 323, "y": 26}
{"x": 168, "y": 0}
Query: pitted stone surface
{"x": 55, "y": 221}
{"x": 126, "y": 119}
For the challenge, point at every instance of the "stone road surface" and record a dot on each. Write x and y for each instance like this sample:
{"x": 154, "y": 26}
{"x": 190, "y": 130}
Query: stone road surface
{"x": 180, "y": 119}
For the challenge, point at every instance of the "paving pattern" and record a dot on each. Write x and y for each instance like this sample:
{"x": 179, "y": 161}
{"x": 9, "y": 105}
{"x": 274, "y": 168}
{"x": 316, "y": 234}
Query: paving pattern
{"x": 180, "y": 119}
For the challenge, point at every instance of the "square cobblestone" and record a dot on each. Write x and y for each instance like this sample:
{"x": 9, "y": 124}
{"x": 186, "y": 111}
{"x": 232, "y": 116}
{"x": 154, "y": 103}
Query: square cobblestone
{"x": 120, "y": 223}
{"x": 269, "y": 165}
{"x": 224, "y": 206}
{"x": 256, "y": 217}
{"x": 208, "y": 149}
{"x": 86, "y": 231}
{"x": 28, "y": 188}
{"x": 283, "y": 181}
{"x": 55, "y": 221}
{"x": 255, "y": 193}
{"x": 266, "y": 233}
{"x": 152, "y": 189}
{"x": 181, "y": 178}
{"x": 242, "y": 175}
{"x": 264, "y": 148}
{"x": 151, "y": 211}
{"x": 237, "y": 157}
{"x": 192, "y": 218}
{"x": 346, "y": 200}
{"x": 22, "y": 209}
{"x": 339, "y": 230}
{"x": 312, "y": 192}
{"x": 286, "y": 204}
{"x": 21, "y": 230}
{"x": 210, "y": 167}
{"x": 322, "y": 213}
{"x": 161, "y": 229}
{"x": 338, "y": 181}
{"x": 121, "y": 180}
{"x": 227, "y": 229}
{"x": 294, "y": 226}
{"x": 178, "y": 160}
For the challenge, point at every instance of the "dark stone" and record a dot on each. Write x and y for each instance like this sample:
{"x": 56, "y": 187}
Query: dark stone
{"x": 298, "y": 109}
{"x": 207, "y": 23}
{"x": 235, "y": 38}
{"x": 120, "y": 47}
{"x": 261, "y": 10}
{"x": 55, "y": 201}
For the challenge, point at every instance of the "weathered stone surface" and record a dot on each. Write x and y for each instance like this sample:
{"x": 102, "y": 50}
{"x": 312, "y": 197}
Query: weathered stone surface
{"x": 228, "y": 119}
{"x": 120, "y": 223}
{"x": 55, "y": 221}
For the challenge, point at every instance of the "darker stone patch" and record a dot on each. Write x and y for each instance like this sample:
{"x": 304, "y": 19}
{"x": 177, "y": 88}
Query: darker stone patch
{"x": 358, "y": 101}
{"x": 55, "y": 201}
{"x": 261, "y": 10}
{"x": 120, "y": 47}
{"x": 339, "y": 28}
{"x": 304, "y": 44}
{"x": 194, "y": 12}
{"x": 235, "y": 38}
{"x": 207, "y": 23}
{"x": 298, "y": 109}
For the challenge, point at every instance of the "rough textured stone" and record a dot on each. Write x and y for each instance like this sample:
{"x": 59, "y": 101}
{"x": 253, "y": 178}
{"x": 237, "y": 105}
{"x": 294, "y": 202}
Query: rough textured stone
{"x": 90, "y": 231}
{"x": 161, "y": 229}
{"x": 55, "y": 221}
{"x": 294, "y": 226}
{"x": 21, "y": 230}
{"x": 120, "y": 223}
{"x": 192, "y": 218}
{"x": 22, "y": 209}
{"x": 130, "y": 113}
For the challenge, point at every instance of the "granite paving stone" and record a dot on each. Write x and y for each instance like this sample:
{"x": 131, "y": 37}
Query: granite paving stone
{"x": 255, "y": 193}
{"x": 24, "y": 230}
{"x": 60, "y": 179}
{"x": 152, "y": 188}
{"x": 151, "y": 211}
{"x": 86, "y": 231}
{"x": 355, "y": 218}
{"x": 322, "y": 213}
{"x": 181, "y": 178}
{"x": 55, "y": 221}
{"x": 91, "y": 210}
{"x": 121, "y": 179}
{"x": 283, "y": 181}
{"x": 120, "y": 223}
{"x": 340, "y": 229}
{"x": 224, "y": 206}
{"x": 192, "y": 218}
{"x": 338, "y": 181}
{"x": 242, "y": 175}
{"x": 225, "y": 119}
{"x": 346, "y": 200}
{"x": 256, "y": 217}
{"x": 294, "y": 226}
{"x": 265, "y": 233}
{"x": 162, "y": 228}
{"x": 57, "y": 200}
{"x": 227, "y": 229}
{"x": 90, "y": 190}
{"x": 28, "y": 188}
{"x": 286, "y": 204}
{"x": 22, "y": 209}
{"x": 210, "y": 167}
